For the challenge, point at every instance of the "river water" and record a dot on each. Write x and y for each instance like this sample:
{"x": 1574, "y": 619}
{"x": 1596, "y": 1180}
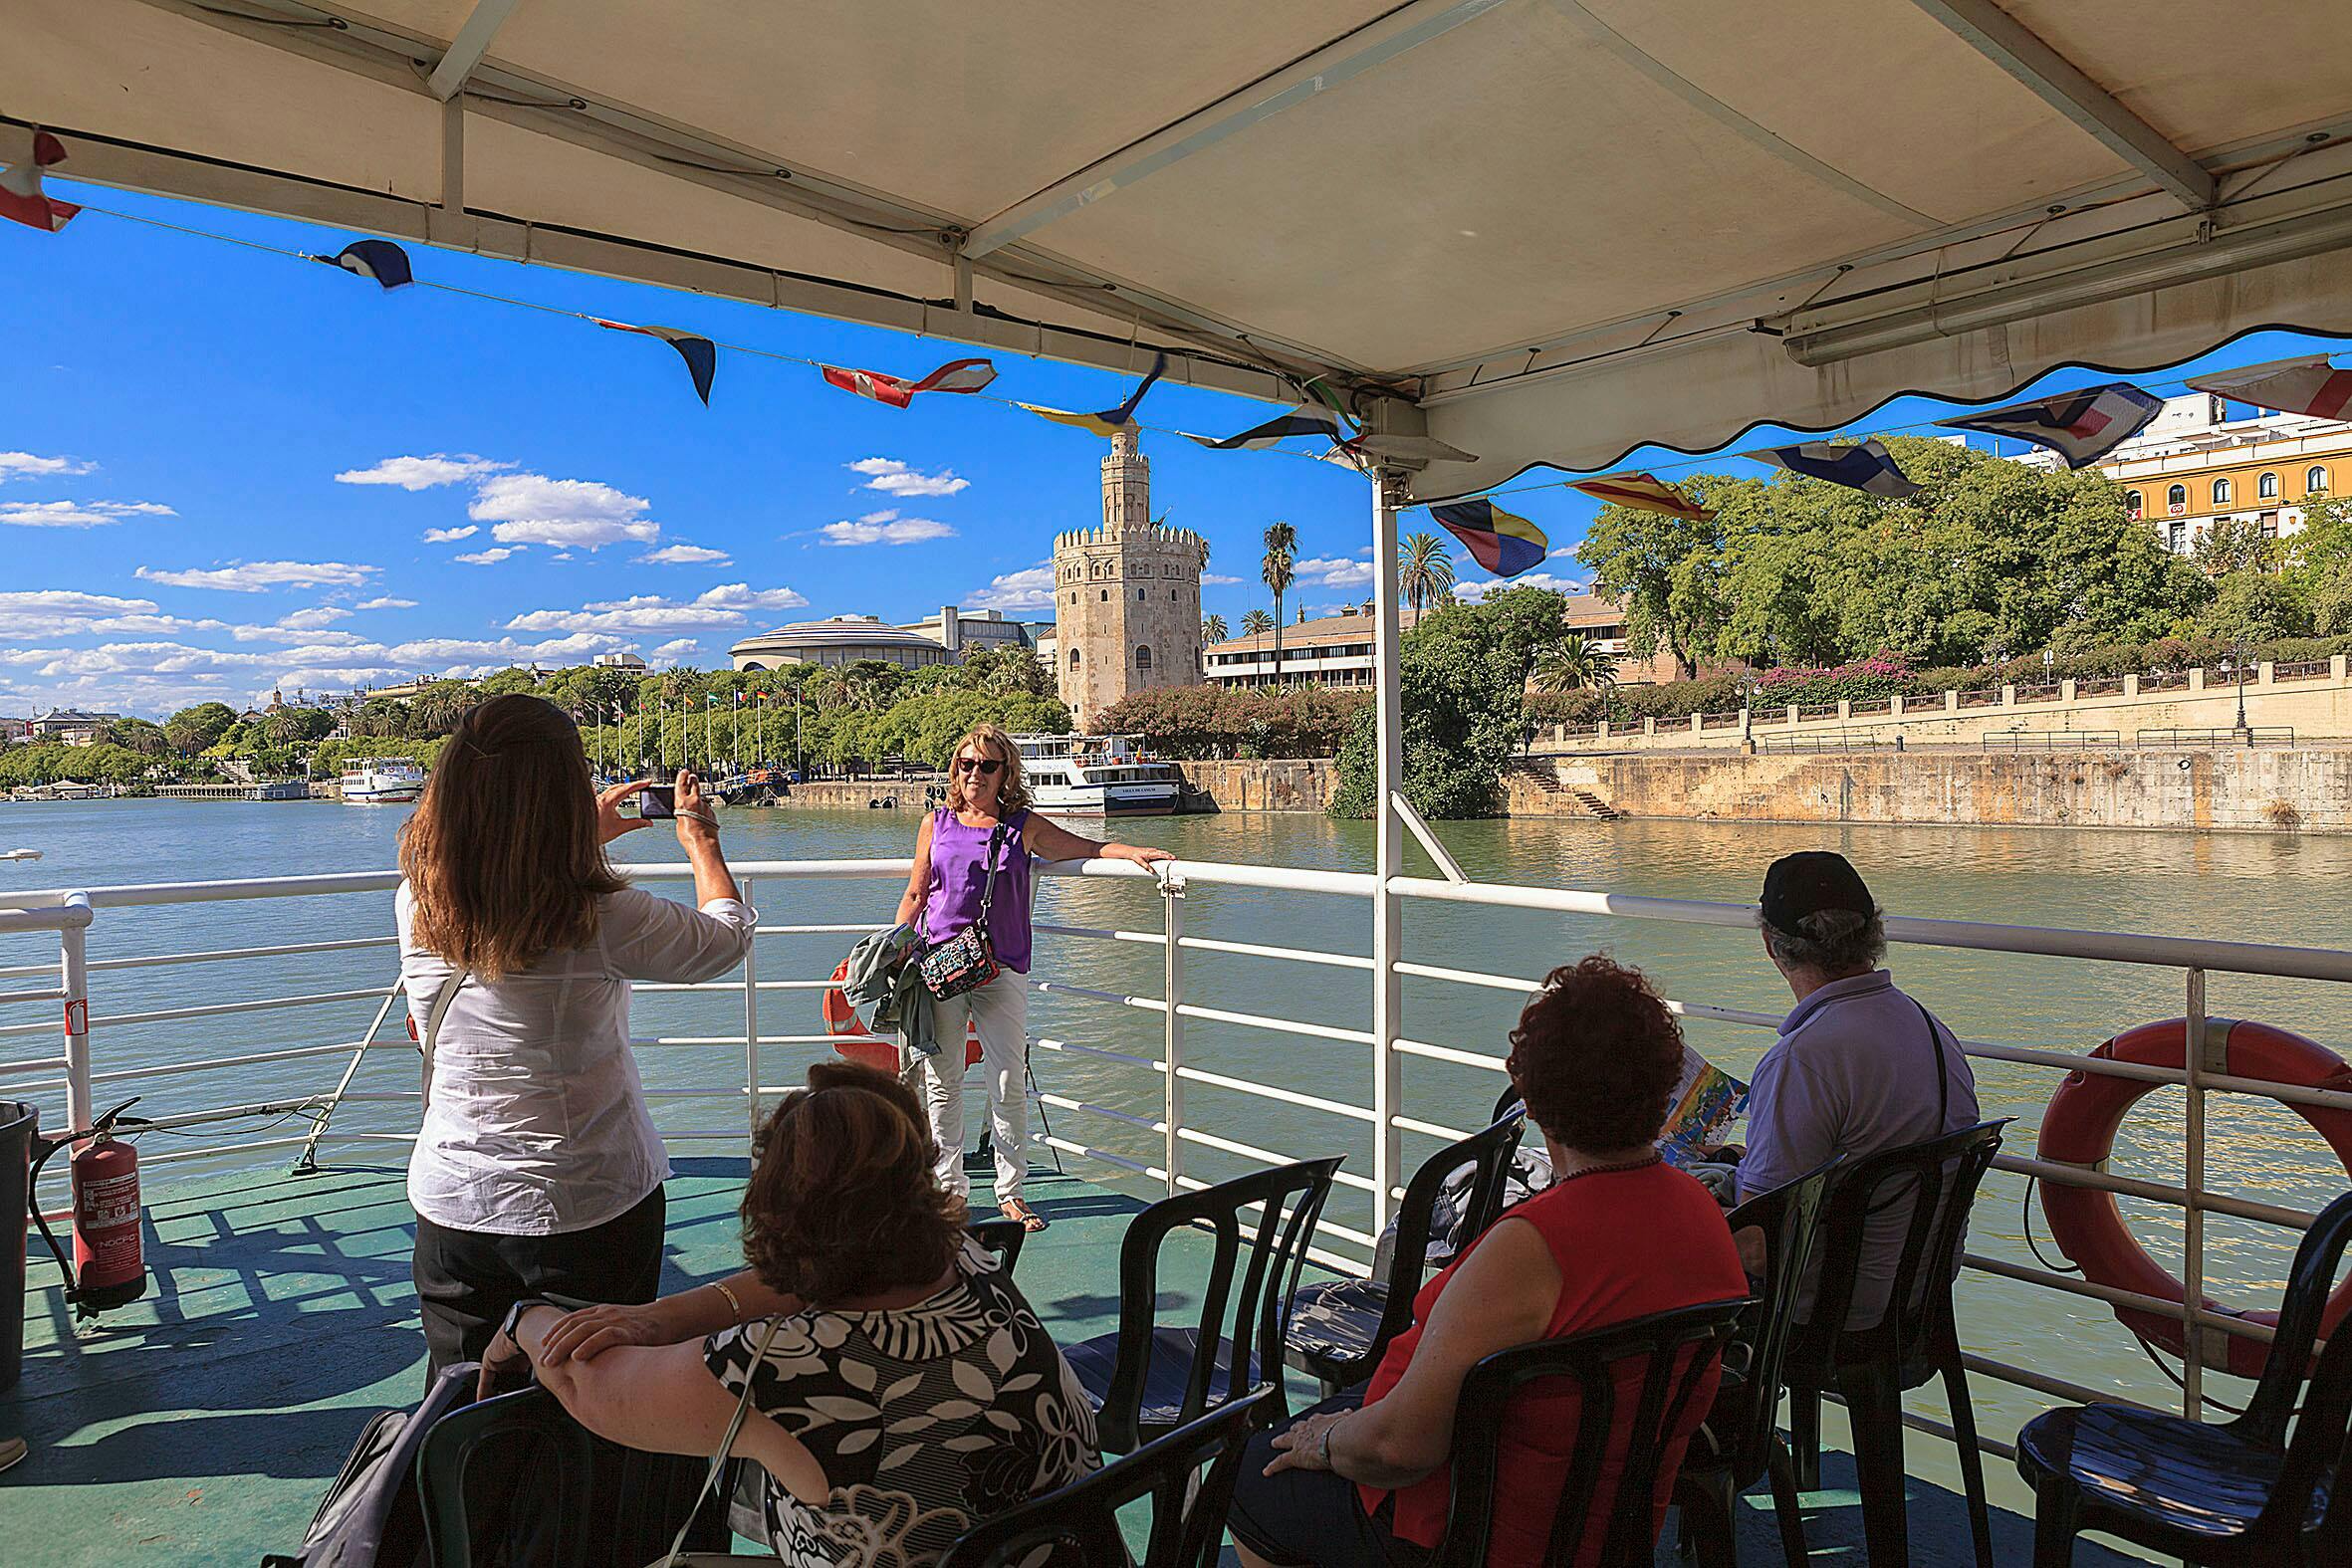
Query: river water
{"x": 2279, "y": 888}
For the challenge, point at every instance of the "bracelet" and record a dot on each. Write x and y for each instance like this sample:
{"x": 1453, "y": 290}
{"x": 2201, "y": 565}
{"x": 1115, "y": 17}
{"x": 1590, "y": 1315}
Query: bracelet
{"x": 736, "y": 1306}
{"x": 1324, "y": 1447}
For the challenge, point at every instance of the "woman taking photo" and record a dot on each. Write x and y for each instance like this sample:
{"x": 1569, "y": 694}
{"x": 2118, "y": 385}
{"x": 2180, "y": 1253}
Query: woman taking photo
{"x": 536, "y": 1168}
{"x": 987, "y": 820}
{"x": 901, "y": 1389}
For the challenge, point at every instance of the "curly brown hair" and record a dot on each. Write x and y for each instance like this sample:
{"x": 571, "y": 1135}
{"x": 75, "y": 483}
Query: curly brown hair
{"x": 1596, "y": 1056}
{"x": 843, "y": 1201}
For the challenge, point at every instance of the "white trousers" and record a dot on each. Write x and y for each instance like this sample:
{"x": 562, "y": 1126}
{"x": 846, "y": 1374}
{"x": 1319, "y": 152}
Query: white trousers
{"x": 1000, "y": 1009}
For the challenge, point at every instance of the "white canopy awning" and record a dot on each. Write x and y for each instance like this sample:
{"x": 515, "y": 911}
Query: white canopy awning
{"x": 1553, "y": 230}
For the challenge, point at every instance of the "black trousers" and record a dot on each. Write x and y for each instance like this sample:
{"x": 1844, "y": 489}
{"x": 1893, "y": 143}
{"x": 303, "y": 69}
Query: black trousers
{"x": 466, "y": 1281}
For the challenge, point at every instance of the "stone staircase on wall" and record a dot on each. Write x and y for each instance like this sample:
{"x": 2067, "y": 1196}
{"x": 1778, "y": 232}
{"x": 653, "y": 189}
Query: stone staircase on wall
{"x": 1570, "y": 801}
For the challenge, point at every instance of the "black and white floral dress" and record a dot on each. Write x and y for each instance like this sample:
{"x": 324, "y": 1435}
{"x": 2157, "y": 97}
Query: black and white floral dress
{"x": 926, "y": 1420}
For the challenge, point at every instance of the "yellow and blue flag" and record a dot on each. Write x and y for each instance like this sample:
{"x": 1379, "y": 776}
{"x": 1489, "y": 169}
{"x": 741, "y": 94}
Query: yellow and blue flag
{"x": 1111, "y": 421}
{"x": 1501, "y": 542}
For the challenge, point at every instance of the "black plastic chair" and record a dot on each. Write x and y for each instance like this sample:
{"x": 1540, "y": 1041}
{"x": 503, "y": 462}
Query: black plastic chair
{"x": 2229, "y": 1492}
{"x": 514, "y": 1479}
{"x": 1079, "y": 1523}
{"x": 1915, "y": 1341}
{"x": 1001, "y": 1235}
{"x": 1741, "y": 1443}
{"x": 1667, "y": 1353}
{"x": 1340, "y": 1328}
{"x": 1145, "y": 1380}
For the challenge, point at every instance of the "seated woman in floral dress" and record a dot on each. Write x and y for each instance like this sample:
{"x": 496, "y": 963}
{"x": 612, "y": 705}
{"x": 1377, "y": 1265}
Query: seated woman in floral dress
{"x": 902, "y": 1391}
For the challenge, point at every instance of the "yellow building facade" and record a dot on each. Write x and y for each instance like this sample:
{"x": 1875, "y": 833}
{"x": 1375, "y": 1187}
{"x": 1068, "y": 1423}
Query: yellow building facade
{"x": 2195, "y": 467}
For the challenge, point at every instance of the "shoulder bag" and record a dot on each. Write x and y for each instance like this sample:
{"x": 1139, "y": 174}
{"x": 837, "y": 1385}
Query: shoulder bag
{"x": 967, "y": 961}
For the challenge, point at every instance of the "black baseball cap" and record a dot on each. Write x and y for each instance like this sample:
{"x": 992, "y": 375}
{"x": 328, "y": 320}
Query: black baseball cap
{"x": 1805, "y": 884}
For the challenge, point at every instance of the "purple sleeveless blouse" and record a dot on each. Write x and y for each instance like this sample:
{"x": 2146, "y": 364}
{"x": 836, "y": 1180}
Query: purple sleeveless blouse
{"x": 959, "y": 870}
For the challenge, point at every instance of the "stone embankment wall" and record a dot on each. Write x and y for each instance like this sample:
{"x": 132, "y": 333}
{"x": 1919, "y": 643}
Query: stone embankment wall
{"x": 853, "y": 794}
{"x": 1287, "y": 785}
{"x": 2262, "y": 790}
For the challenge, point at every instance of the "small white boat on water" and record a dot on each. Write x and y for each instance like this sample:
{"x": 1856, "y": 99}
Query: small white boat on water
{"x": 382, "y": 781}
{"x": 1097, "y": 775}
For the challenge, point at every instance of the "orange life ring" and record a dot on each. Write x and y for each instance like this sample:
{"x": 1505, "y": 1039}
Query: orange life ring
{"x": 855, "y": 1041}
{"x": 2079, "y": 1129}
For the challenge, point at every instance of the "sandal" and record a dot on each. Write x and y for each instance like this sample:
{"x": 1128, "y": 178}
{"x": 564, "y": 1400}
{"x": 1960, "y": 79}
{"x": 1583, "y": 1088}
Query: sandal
{"x": 1030, "y": 1219}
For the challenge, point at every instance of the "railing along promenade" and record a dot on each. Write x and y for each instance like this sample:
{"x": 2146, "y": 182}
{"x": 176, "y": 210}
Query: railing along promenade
{"x": 2314, "y": 694}
{"x": 54, "y": 1045}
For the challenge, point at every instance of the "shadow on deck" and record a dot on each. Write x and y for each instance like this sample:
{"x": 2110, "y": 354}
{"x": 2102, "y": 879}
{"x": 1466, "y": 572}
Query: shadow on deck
{"x": 201, "y": 1425}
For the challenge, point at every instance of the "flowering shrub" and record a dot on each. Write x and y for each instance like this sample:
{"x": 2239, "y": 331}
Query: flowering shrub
{"x": 1865, "y": 679}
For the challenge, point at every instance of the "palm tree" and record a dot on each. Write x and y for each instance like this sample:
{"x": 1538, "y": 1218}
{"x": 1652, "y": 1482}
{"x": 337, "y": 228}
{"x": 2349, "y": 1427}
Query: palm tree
{"x": 1279, "y": 571}
{"x": 1257, "y": 624}
{"x": 1424, "y": 570}
{"x": 1213, "y": 629}
{"x": 1572, "y": 663}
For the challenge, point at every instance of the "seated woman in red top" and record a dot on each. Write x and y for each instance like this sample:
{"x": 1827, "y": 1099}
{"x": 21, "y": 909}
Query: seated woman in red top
{"x": 1364, "y": 1478}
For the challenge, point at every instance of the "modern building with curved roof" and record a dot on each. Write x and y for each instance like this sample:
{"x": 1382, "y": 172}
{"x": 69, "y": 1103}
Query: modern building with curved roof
{"x": 841, "y": 639}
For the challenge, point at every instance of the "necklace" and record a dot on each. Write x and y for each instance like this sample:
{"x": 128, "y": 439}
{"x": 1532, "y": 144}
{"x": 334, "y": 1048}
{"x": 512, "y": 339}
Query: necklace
{"x": 1605, "y": 1170}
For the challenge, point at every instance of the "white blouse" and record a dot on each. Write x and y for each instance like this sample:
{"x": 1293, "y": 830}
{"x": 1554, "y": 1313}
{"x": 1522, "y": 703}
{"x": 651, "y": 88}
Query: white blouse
{"x": 536, "y": 1122}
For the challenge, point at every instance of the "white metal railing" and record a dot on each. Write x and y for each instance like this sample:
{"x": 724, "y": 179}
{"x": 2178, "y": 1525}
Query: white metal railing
{"x": 1159, "y": 1111}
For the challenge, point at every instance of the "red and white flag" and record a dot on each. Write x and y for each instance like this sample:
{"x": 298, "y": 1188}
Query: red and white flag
{"x": 2296, "y": 386}
{"x": 20, "y": 196}
{"x": 1643, "y": 493}
{"x": 957, "y": 375}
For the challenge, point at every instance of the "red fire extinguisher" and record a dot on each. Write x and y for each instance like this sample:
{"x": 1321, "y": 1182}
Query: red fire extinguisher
{"x": 109, "y": 1268}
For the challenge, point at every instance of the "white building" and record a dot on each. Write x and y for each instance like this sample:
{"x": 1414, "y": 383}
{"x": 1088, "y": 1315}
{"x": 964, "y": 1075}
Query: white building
{"x": 624, "y": 660}
{"x": 964, "y": 632}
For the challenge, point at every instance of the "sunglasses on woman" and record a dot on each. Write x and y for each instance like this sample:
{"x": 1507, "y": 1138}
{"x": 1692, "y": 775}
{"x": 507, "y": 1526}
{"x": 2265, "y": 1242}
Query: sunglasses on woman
{"x": 985, "y": 766}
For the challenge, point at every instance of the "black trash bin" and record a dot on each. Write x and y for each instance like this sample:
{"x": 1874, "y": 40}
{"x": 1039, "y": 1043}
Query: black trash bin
{"x": 19, "y": 1123}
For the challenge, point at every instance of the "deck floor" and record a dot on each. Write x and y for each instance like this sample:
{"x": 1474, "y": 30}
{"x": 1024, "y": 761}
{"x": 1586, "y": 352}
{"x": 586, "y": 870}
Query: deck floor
{"x": 201, "y": 1425}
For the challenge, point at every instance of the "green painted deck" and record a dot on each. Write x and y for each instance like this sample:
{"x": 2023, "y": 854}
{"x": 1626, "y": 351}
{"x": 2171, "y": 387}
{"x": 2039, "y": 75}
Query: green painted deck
{"x": 202, "y": 1425}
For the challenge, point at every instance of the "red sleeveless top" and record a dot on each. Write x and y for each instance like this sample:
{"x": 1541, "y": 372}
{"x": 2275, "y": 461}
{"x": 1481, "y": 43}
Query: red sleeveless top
{"x": 1628, "y": 1244}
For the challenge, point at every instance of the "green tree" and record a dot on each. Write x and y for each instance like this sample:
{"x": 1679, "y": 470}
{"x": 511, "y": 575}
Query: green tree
{"x": 198, "y": 729}
{"x": 2235, "y": 544}
{"x": 510, "y": 679}
{"x": 1574, "y": 663}
{"x": 1257, "y": 624}
{"x": 1279, "y": 571}
{"x": 1660, "y": 569}
{"x": 1214, "y": 629}
{"x": 2252, "y": 605}
{"x": 1424, "y": 570}
{"x": 436, "y": 709}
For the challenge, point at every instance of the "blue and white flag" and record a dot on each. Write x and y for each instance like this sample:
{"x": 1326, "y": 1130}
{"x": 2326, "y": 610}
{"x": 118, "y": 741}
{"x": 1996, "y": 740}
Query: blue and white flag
{"x": 2080, "y": 427}
{"x": 380, "y": 259}
{"x": 1310, "y": 420}
{"x": 699, "y": 353}
{"x": 1868, "y": 467}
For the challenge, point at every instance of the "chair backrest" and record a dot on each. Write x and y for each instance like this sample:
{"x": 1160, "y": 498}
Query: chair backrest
{"x": 1669, "y": 1353}
{"x": 1937, "y": 1178}
{"x": 2323, "y": 1427}
{"x": 1790, "y": 1219}
{"x": 516, "y": 1480}
{"x": 1001, "y": 1235}
{"x": 1489, "y": 1154}
{"x": 1245, "y": 1306}
{"x": 1081, "y": 1521}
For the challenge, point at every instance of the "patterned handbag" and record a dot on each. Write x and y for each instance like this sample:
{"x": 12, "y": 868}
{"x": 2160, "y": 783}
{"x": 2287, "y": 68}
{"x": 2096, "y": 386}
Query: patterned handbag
{"x": 966, "y": 962}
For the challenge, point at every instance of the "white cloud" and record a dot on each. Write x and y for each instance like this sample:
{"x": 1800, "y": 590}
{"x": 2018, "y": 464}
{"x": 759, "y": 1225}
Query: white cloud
{"x": 449, "y": 535}
{"x": 385, "y": 603}
{"x": 677, "y": 650}
{"x": 491, "y": 557}
{"x": 722, "y": 606}
{"x": 1028, "y": 589}
{"x": 77, "y": 514}
{"x": 893, "y": 478}
{"x": 685, "y": 555}
{"x": 421, "y": 473}
{"x": 1472, "y": 592}
{"x": 532, "y": 508}
{"x": 45, "y": 613}
{"x": 885, "y": 528}
{"x": 24, "y": 464}
{"x": 1210, "y": 579}
{"x": 259, "y": 576}
{"x": 1334, "y": 571}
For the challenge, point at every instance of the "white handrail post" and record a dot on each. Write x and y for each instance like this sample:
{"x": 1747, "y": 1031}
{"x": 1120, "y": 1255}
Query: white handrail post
{"x": 2194, "y": 1062}
{"x": 1388, "y": 849}
{"x": 74, "y": 980}
{"x": 1172, "y": 1026}
{"x": 751, "y": 1018}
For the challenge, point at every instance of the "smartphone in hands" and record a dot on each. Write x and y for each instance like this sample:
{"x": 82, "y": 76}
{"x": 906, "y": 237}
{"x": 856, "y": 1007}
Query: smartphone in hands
{"x": 659, "y": 802}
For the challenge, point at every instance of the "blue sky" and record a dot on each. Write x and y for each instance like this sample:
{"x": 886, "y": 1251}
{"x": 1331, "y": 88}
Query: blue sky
{"x": 517, "y": 486}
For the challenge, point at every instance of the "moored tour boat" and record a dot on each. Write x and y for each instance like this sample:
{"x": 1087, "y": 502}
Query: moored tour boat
{"x": 1097, "y": 775}
{"x": 382, "y": 781}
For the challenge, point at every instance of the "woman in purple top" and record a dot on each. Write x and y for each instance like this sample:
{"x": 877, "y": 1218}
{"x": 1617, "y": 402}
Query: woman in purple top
{"x": 985, "y": 794}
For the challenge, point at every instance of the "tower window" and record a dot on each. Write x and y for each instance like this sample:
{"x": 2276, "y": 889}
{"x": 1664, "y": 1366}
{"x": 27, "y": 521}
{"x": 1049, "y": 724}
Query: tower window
{"x": 1171, "y": 596}
{"x": 1107, "y": 595}
{"x": 1139, "y": 592}
{"x": 2267, "y": 488}
{"x": 1144, "y": 655}
{"x": 1073, "y": 658}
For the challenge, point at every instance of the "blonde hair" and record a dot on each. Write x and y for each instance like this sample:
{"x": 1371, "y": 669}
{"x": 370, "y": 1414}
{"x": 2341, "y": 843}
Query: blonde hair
{"x": 503, "y": 857}
{"x": 1013, "y": 794}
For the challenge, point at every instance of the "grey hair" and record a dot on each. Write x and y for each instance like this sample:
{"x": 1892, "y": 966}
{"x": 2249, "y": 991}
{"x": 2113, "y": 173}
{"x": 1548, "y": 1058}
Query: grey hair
{"x": 1832, "y": 940}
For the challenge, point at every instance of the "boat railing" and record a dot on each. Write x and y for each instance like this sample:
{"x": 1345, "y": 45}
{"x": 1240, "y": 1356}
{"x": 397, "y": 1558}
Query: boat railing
{"x": 50, "y": 1042}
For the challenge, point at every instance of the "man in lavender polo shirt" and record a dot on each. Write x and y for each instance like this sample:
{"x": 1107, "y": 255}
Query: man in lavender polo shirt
{"x": 1859, "y": 1067}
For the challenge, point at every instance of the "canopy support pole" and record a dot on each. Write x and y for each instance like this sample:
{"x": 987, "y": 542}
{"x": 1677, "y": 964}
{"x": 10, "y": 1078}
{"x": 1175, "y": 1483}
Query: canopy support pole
{"x": 1388, "y": 848}
{"x": 473, "y": 42}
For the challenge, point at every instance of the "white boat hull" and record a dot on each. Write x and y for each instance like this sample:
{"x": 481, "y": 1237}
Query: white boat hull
{"x": 391, "y": 795}
{"x": 1139, "y": 799}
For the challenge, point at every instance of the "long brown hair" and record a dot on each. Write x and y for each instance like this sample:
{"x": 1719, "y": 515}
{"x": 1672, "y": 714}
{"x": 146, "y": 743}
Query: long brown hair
{"x": 994, "y": 742}
{"x": 503, "y": 858}
{"x": 842, "y": 1200}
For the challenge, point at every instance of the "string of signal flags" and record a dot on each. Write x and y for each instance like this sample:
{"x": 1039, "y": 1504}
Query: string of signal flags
{"x": 2080, "y": 426}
